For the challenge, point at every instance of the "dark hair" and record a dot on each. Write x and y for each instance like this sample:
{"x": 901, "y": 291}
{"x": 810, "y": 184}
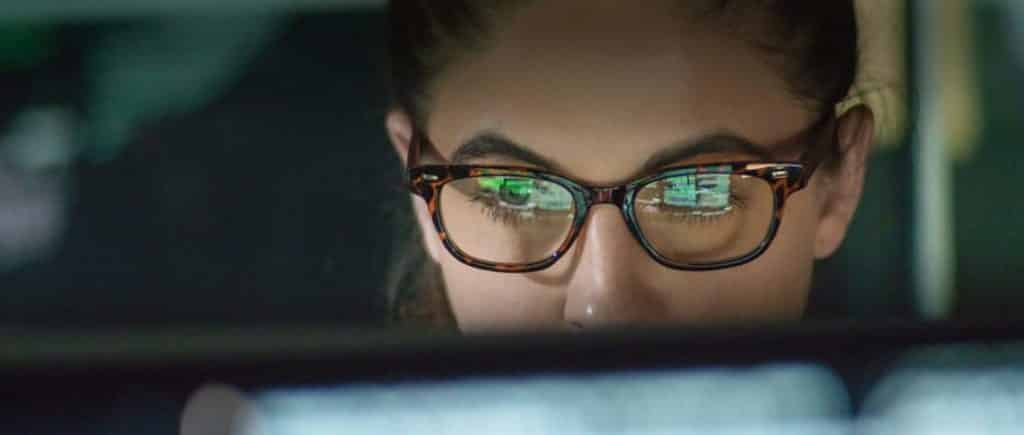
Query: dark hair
{"x": 813, "y": 42}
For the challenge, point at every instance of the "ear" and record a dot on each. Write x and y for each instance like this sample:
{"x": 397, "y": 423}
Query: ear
{"x": 844, "y": 184}
{"x": 399, "y": 127}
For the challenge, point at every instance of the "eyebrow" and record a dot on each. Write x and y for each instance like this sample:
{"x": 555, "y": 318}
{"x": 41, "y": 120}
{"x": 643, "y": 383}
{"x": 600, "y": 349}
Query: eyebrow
{"x": 493, "y": 144}
{"x": 711, "y": 144}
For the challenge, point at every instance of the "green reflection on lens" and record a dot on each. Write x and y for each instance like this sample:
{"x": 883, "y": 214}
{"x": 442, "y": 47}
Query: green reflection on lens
{"x": 522, "y": 192}
{"x": 698, "y": 190}
{"x": 681, "y": 191}
{"x": 713, "y": 190}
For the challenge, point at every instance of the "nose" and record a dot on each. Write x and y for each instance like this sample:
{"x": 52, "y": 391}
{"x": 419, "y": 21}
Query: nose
{"x": 612, "y": 283}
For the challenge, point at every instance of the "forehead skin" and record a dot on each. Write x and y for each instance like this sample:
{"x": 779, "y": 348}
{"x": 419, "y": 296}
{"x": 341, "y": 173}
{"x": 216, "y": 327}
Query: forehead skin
{"x": 600, "y": 86}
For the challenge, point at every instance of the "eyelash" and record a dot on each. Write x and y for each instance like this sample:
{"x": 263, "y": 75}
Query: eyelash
{"x": 498, "y": 213}
{"x": 509, "y": 216}
{"x": 735, "y": 202}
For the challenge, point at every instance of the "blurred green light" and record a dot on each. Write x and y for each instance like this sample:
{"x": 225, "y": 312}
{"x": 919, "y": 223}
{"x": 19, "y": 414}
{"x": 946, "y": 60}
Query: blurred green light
{"x": 23, "y": 46}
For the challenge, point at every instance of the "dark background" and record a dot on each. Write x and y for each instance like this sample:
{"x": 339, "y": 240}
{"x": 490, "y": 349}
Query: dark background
{"x": 268, "y": 204}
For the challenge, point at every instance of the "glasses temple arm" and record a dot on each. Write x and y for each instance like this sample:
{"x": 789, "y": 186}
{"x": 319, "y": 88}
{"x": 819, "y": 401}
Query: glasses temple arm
{"x": 814, "y": 156}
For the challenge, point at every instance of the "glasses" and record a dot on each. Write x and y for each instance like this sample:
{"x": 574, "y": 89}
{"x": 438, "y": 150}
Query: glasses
{"x": 695, "y": 217}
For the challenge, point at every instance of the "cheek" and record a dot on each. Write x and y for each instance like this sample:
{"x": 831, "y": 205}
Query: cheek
{"x": 772, "y": 288}
{"x": 779, "y": 281}
{"x": 491, "y": 301}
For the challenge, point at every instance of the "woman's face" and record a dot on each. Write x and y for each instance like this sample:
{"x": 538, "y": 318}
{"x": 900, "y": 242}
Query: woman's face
{"x": 598, "y": 88}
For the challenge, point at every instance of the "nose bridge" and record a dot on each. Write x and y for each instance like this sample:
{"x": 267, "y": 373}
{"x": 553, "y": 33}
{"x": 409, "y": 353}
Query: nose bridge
{"x": 608, "y": 195}
{"x": 610, "y": 284}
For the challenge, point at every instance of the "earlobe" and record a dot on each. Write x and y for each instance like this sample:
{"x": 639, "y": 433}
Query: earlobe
{"x": 855, "y": 136}
{"x": 399, "y": 127}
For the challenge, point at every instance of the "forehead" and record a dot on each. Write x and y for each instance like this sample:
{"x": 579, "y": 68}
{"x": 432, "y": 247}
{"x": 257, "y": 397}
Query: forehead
{"x": 600, "y": 86}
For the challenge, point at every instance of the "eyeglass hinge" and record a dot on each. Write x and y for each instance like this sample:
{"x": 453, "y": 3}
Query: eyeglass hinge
{"x": 780, "y": 174}
{"x": 430, "y": 177}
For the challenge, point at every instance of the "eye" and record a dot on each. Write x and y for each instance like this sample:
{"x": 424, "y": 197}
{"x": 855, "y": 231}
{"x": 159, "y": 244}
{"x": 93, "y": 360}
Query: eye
{"x": 525, "y": 193}
{"x": 516, "y": 192}
{"x": 699, "y": 191}
{"x": 693, "y": 197}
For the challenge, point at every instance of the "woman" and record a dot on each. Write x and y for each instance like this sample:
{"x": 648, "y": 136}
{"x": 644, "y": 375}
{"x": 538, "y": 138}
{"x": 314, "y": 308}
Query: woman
{"x": 579, "y": 163}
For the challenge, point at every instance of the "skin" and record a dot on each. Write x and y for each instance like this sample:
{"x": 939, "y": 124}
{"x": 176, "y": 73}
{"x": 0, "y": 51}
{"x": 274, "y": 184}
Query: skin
{"x": 598, "y": 95}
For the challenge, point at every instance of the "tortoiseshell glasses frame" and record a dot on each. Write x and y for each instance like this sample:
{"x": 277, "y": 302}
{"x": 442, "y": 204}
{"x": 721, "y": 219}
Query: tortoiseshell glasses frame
{"x": 784, "y": 178}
